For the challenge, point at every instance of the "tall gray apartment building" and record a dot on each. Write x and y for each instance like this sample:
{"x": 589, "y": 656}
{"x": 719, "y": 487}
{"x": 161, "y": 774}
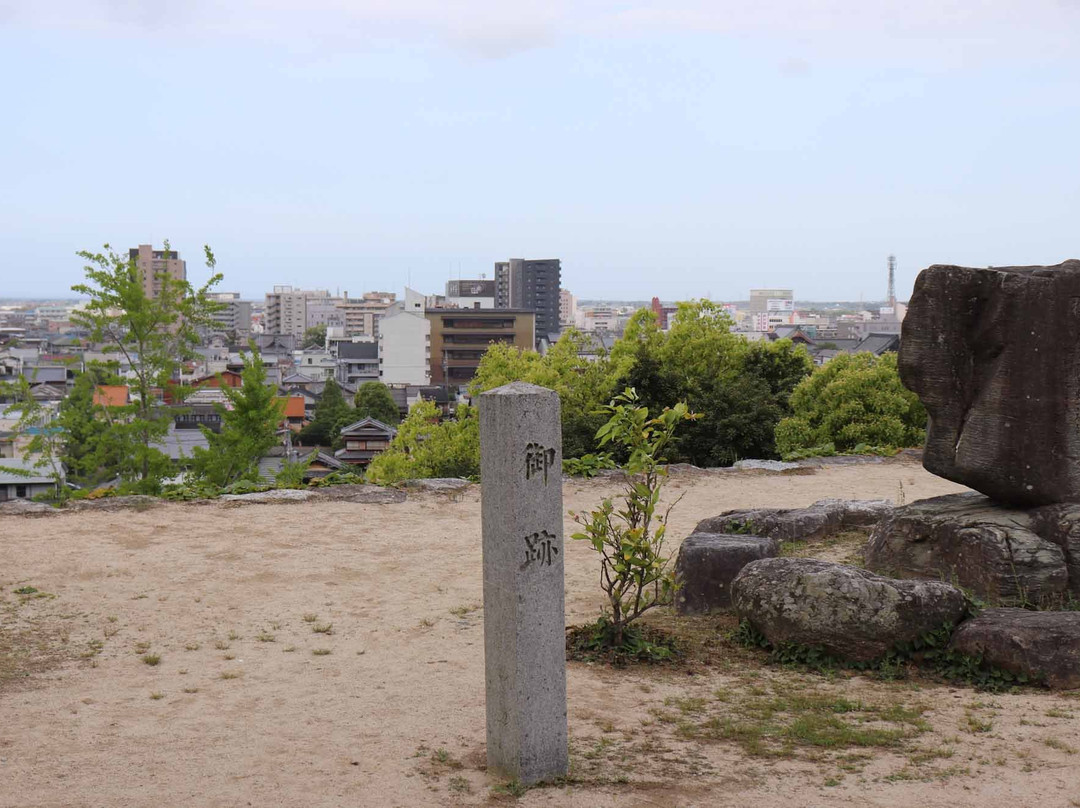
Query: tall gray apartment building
{"x": 532, "y": 285}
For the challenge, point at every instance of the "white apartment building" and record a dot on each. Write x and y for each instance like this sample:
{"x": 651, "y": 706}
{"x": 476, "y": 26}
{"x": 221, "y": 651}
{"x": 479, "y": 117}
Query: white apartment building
{"x": 405, "y": 343}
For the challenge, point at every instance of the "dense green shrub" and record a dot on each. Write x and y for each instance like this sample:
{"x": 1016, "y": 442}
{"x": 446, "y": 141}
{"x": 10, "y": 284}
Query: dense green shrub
{"x": 855, "y": 399}
{"x": 427, "y": 447}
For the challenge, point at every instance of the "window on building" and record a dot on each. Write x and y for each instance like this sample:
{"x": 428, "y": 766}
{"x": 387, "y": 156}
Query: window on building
{"x": 20, "y": 492}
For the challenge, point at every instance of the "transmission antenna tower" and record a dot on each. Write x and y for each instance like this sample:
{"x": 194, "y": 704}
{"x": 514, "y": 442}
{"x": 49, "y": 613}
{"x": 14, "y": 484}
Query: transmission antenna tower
{"x": 892, "y": 282}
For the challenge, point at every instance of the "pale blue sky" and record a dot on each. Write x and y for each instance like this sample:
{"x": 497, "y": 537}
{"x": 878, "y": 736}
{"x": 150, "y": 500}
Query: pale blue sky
{"x": 680, "y": 149}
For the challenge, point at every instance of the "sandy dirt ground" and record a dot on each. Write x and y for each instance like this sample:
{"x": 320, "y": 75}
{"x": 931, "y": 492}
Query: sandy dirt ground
{"x": 331, "y": 654}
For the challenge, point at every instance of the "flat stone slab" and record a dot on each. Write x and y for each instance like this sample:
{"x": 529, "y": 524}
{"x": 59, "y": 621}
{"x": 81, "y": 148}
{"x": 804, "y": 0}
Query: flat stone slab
{"x": 849, "y": 612}
{"x": 766, "y": 465}
{"x": 709, "y": 562}
{"x": 26, "y": 507}
{"x": 991, "y": 354}
{"x": 823, "y": 518}
{"x": 1043, "y": 646}
{"x": 276, "y": 495}
{"x": 992, "y": 549}
{"x": 446, "y": 485}
{"x": 114, "y": 503}
{"x": 359, "y": 493}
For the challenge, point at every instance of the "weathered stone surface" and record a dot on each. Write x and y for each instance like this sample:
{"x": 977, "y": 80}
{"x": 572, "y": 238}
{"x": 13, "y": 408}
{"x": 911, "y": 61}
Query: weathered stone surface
{"x": 709, "y": 562}
{"x": 25, "y": 507}
{"x": 851, "y": 613}
{"x": 993, "y": 549}
{"x": 275, "y": 495}
{"x": 523, "y": 551}
{"x": 360, "y": 493}
{"x": 1061, "y": 525}
{"x": 1044, "y": 646}
{"x": 444, "y": 485}
{"x": 765, "y": 465}
{"x": 992, "y": 354}
{"x": 823, "y": 518}
{"x": 114, "y": 503}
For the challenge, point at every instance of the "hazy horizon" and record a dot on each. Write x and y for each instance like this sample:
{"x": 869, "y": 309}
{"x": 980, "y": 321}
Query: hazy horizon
{"x": 681, "y": 150}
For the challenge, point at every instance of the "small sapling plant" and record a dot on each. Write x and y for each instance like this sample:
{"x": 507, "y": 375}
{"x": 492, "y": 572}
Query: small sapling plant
{"x": 634, "y": 572}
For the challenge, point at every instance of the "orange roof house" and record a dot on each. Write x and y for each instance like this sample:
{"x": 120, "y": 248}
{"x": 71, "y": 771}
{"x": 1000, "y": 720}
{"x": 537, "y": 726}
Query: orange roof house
{"x": 111, "y": 395}
{"x": 293, "y": 414}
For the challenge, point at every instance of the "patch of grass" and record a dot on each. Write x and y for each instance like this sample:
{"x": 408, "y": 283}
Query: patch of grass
{"x": 152, "y": 659}
{"x": 233, "y": 635}
{"x": 687, "y": 704}
{"x": 25, "y": 590}
{"x": 310, "y": 617}
{"x": 190, "y": 690}
{"x": 157, "y": 695}
{"x": 459, "y": 785}
{"x": 230, "y": 656}
{"x": 1057, "y": 712}
{"x": 444, "y": 758}
{"x": 192, "y": 646}
{"x": 426, "y": 623}
{"x": 1059, "y": 745}
{"x": 323, "y": 628}
{"x": 464, "y": 609}
{"x": 142, "y": 647}
{"x": 221, "y": 645}
{"x": 322, "y": 652}
{"x": 783, "y": 721}
{"x": 265, "y": 636}
{"x": 511, "y": 788}
{"x": 230, "y": 675}
{"x": 288, "y": 649}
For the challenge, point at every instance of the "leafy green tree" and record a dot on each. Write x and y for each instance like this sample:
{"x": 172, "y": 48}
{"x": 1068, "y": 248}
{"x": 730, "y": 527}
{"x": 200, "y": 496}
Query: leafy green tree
{"x": 634, "y": 572}
{"x": 373, "y": 400}
{"x": 154, "y": 334}
{"x": 91, "y": 443}
{"x": 853, "y": 403}
{"x": 427, "y": 447}
{"x": 249, "y": 427}
{"x": 741, "y": 389}
{"x": 583, "y": 385}
{"x": 331, "y": 414}
{"x": 782, "y": 365}
{"x": 314, "y": 337}
{"x": 35, "y": 420}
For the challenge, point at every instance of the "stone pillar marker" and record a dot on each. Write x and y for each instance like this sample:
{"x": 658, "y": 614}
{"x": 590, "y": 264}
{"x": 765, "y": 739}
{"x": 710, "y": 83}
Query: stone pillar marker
{"x": 524, "y": 618}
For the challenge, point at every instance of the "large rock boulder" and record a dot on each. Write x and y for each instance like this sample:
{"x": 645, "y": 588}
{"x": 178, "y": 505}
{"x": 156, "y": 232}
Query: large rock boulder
{"x": 851, "y": 613}
{"x": 992, "y": 549}
{"x": 709, "y": 562}
{"x": 991, "y": 353}
{"x": 1044, "y": 646}
{"x": 1061, "y": 525}
{"x": 825, "y": 517}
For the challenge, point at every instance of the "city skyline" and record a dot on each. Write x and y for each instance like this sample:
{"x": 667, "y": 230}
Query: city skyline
{"x": 678, "y": 150}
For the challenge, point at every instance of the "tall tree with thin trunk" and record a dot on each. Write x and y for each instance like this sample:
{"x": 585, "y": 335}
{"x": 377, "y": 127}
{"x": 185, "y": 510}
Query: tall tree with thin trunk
{"x": 153, "y": 334}
{"x": 249, "y": 427}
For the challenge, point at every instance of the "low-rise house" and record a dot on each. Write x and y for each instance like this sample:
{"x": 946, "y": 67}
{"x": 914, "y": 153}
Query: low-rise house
{"x": 112, "y": 395}
{"x": 357, "y": 362}
{"x": 319, "y": 463}
{"x": 29, "y": 483}
{"x": 363, "y": 440}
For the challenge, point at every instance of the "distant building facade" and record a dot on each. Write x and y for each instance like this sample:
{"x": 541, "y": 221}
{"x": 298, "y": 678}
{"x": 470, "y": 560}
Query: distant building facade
{"x": 771, "y": 300}
{"x": 152, "y": 264}
{"x": 286, "y": 310}
{"x": 469, "y": 294}
{"x": 567, "y": 308}
{"x": 460, "y": 337}
{"x": 531, "y": 284}
{"x": 234, "y": 316}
